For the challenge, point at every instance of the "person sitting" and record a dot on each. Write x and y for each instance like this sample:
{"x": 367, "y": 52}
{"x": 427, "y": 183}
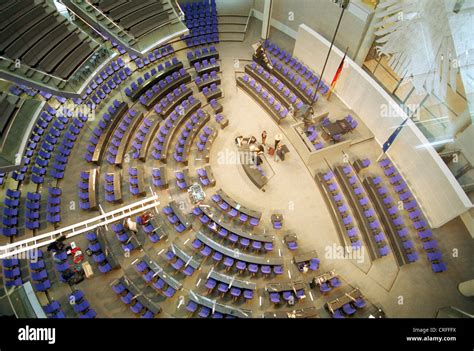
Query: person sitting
{"x": 145, "y": 218}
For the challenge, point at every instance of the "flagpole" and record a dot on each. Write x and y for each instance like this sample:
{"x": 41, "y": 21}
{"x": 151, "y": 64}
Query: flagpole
{"x": 343, "y": 4}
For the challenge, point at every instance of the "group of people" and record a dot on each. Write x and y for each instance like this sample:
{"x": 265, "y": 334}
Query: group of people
{"x": 258, "y": 149}
{"x": 131, "y": 225}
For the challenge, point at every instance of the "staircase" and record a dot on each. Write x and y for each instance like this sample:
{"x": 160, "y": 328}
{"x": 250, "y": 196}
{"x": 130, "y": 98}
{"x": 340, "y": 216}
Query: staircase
{"x": 232, "y": 28}
{"x": 233, "y": 19}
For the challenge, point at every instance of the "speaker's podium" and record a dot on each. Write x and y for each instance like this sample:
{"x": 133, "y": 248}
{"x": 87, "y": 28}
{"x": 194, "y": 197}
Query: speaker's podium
{"x": 260, "y": 56}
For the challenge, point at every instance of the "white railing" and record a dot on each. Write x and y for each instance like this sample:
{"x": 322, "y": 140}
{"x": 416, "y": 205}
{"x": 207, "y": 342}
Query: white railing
{"x": 16, "y": 248}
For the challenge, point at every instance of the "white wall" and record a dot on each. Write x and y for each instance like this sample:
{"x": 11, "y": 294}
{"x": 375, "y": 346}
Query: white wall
{"x": 437, "y": 191}
{"x": 322, "y": 16}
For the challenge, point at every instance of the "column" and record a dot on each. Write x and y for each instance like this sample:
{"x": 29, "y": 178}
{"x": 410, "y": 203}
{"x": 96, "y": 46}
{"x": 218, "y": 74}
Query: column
{"x": 267, "y": 16}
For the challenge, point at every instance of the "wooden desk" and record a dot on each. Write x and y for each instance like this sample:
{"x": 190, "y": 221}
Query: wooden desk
{"x": 258, "y": 179}
{"x": 179, "y": 121}
{"x": 218, "y": 307}
{"x": 230, "y": 228}
{"x": 390, "y": 230}
{"x": 344, "y": 299}
{"x": 261, "y": 101}
{"x": 168, "y": 88}
{"x": 122, "y": 149}
{"x": 358, "y": 210}
{"x": 93, "y": 190}
{"x": 305, "y": 257}
{"x": 238, "y": 206}
{"x": 232, "y": 281}
{"x": 187, "y": 258}
{"x": 285, "y": 286}
{"x": 309, "y": 312}
{"x": 260, "y": 260}
{"x": 148, "y": 141}
{"x": 155, "y": 79}
{"x": 181, "y": 216}
{"x": 104, "y": 138}
{"x": 117, "y": 179}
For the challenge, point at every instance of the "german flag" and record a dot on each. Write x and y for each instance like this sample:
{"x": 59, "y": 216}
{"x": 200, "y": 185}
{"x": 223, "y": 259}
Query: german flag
{"x": 338, "y": 73}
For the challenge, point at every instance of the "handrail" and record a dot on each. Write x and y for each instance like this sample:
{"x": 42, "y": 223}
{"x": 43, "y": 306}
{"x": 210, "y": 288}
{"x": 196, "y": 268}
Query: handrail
{"x": 19, "y": 247}
{"x": 248, "y": 21}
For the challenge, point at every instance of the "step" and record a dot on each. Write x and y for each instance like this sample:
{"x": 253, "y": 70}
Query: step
{"x": 231, "y": 28}
{"x": 223, "y": 37}
{"x": 232, "y": 19}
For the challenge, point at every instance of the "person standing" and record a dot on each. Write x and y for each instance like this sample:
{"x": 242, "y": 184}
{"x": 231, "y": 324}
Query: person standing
{"x": 264, "y": 137}
{"x": 278, "y": 138}
{"x": 131, "y": 225}
{"x": 278, "y": 151}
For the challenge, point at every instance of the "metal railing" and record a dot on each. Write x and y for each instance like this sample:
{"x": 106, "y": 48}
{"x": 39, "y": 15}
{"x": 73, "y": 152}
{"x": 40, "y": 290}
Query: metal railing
{"x": 16, "y": 248}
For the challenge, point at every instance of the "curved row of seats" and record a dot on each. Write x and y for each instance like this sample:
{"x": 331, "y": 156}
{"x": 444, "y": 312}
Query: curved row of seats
{"x": 155, "y": 55}
{"x": 299, "y": 69}
{"x": 263, "y": 97}
{"x": 98, "y": 254}
{"x": 41, "y": 38}
{"x": 341, "y": 209}
{"x": 122, "y": 288}
{"x": 124, "y": 237}
{"x": 277, "y": 87}
{"x": 187, "y": 135}
{"x": 232, "y": 237}
{"x": 176, "y": 118}
{"x": 230, "y": 263}
{"x": 158, "y": 91}
{"x": 138, "y": 18}
{"x": 365, "y": 213}
{"x": 233, "y": 212}
{"x": 415, "y": 214}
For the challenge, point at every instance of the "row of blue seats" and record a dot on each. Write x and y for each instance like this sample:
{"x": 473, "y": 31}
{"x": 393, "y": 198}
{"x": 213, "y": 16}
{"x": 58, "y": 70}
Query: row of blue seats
{"x": 124, "y": 237}
{"x": 196, "y": 118}
{"x": 391, "y": 208}
{"x": 140, "y": 136}
{"x": 118, "y": 135}
{"x": 152, "y": 56}
{"x": 201, "y": 22}
{"x": 54, "y": 310}
{"x": 299, "y": 69}
{"x": 132, "y": 300}
{"x": 83, "y": 191}
{"x": 100, "y": 129}
{"x": 200, "y": 31}
{"x": 12, "y": 272}
{"x": 98, "y": 254}
{"x": 171, "y": 98}
{"x": 169, "y": 124}
{"x": 11, "y": 204}
{"x": 39, "y": 273}
{"x": 202, "y": 40}
{"x": 346, "y": 218}
{"x": 410, "y": 204}
{"x": 281, "y": 112}
{"x": 162, "y": 86}
{"x": 135, "y": 180}
{"x": 81, "y": 305}
{"x": 136, "y": 85}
